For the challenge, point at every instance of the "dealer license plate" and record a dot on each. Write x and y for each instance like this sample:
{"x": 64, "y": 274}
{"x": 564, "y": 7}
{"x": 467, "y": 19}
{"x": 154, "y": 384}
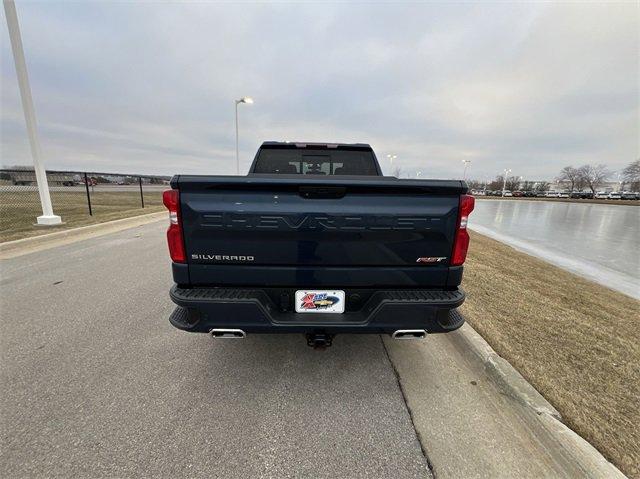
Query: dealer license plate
{"x": 320, "y": 301}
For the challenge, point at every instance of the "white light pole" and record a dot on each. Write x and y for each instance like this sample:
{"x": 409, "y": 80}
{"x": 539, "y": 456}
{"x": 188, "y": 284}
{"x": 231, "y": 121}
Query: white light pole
{"x": 391, "y": 158}
{"x": 47, "y": 218}
{"x": 248, "y": 101}
{"x": 466, "y": 163}
{"x": 504, "y": 180}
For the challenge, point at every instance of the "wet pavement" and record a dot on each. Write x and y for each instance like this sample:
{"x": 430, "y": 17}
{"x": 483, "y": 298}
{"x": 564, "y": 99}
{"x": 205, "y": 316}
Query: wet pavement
{"x": 600, "y": 242}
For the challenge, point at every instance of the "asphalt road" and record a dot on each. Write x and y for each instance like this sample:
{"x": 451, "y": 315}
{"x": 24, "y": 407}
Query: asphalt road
{"x": 96, "y": 383}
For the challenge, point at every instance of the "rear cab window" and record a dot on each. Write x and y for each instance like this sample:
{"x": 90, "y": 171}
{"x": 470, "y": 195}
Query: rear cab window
{"x": 292, "y": 160}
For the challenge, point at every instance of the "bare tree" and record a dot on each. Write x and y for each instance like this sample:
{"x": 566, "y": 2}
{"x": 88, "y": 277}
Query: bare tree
{"x": 542, "y": 186}
{"x": 572, "y": 176}
{"x": 475, "y": 184}
{"x": 527, "y": 186}
{"x": 594, "y": 176}
{"x": 496, "y": 184}
{"x": 512, "y": 183}
{"x": 631, "y": 175}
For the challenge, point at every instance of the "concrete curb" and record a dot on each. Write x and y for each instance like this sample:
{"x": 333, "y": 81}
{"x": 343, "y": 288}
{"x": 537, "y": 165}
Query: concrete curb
{"x": 13, "y": 249}
{"x": 508, "y": 379}
{"x": 511, "y": 383}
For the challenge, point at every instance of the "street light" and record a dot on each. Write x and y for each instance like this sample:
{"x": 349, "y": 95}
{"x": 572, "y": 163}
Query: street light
{"x": 466, "y": 163}
{"x": 418, "y": 174}
{"x": 391, "y": 158}
{"x": 249, "y": 101}
{"x": 504, "y": 182}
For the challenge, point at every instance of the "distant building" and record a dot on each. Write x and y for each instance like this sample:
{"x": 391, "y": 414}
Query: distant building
{"x": 28, "y": 178}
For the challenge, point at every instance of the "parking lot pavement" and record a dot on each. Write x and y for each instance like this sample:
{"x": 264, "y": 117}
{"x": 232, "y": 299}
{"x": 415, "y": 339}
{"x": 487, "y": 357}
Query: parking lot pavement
{"x": 95, "y": 382}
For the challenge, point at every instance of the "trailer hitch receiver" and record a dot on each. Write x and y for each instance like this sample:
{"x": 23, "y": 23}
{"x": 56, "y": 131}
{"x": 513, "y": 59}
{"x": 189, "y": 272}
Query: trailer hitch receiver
{"x": 319, "y": 340}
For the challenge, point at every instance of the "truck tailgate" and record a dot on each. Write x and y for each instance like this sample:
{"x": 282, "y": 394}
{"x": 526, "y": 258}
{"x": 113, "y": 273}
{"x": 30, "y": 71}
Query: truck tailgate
{"x": 274, "y": 224}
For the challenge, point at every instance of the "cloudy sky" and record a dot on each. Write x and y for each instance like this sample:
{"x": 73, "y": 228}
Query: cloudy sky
{"x": 149, "y": 87}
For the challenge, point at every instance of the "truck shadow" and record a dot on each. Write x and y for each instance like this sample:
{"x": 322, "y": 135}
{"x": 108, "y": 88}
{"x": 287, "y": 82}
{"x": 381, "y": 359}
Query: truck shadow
{"x": 273, "y": 353}
{"x": 260, "y": 364}
{"x": 300, "y": 410}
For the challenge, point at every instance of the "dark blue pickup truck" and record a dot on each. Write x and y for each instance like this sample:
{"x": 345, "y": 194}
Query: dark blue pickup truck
{"x": 315, "y": 240}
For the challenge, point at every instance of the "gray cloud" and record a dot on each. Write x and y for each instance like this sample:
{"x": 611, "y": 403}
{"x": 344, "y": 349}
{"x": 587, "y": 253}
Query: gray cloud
{"x": 150, "y": 87}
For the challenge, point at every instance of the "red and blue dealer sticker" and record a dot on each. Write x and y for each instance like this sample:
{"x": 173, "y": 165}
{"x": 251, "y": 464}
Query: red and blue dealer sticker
{"x": 319, "y": 301}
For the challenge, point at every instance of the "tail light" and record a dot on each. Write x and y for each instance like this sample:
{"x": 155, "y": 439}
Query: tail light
{"x": 461, "y": 240}
{"x": 171, "y": 199}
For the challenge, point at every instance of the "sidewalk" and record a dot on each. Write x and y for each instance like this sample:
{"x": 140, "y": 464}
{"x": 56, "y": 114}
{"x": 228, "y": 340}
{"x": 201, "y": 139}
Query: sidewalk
{"x": 475, "y": 415}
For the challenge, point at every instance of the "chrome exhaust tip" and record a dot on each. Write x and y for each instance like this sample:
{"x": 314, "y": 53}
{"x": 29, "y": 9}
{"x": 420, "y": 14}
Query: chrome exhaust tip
{"x": 228, "y": 333}
{"x": 409, "y": 334}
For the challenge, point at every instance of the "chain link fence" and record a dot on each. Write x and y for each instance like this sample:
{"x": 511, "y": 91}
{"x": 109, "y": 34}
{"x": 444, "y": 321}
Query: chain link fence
{"x": 78, "y": 197}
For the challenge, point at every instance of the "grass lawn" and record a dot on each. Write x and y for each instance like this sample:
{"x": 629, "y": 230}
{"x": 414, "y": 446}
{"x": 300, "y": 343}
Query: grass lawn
{"x": 577, "y": 342}
{"x": 19, "y": 210}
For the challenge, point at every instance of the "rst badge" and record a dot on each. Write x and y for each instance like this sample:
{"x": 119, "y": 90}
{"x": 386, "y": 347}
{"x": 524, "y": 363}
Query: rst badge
{"x": 431, "y": 259}
{"x": 319, "y": 301}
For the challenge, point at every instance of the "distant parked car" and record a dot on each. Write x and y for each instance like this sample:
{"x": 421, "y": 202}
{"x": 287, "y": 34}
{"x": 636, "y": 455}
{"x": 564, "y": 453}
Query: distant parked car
{"x": 529, "y": 194}
{"x": 518, "y": 193}
{"x": 630, "y": 195}
{"x": 541, "y": 194}
{"x": 563, "y": 194}
{"x": 615, "y": 195}
{"x": 507, "y": 193}
{"x": 602, "y": 195}
{"x": 552, "y": 194}
{"x": 583, "y": 195}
